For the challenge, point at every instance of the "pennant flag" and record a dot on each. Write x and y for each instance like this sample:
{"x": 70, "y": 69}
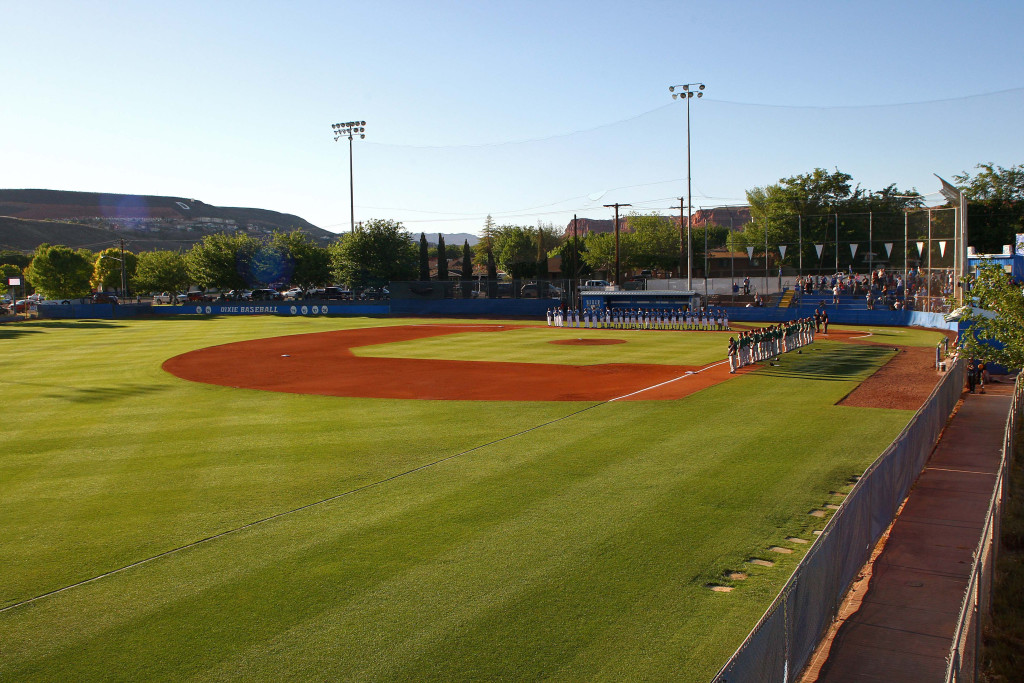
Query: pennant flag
{"x": 888, "y": 250}
{"x": 750, "y": 253}
{"x": 853, "y": 250}
{"x": 920, "y": 248}
{"x": 782, "y": 250}
{"x": 818, "y": 248}
{"x": 942, "y": 247}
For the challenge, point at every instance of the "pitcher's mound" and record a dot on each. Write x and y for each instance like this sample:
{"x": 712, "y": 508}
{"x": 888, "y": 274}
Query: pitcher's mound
{"x": 587, "y": 342}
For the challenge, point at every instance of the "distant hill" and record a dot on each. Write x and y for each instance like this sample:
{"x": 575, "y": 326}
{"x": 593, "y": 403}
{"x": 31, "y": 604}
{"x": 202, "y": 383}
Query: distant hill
{"x": 29, "y": 218}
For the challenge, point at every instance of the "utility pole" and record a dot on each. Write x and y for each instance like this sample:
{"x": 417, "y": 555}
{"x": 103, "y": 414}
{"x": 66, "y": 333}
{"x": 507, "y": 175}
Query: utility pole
{"x": 124, "y": 277}
{"x": 573, "y": 285}
{"x": 685, "y": 247}
{"x": 618, "y": 273}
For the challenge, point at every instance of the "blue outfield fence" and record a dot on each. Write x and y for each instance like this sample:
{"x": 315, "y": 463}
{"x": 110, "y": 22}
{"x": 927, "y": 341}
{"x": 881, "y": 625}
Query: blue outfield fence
{"x": 784, "y": 639}
{"x": 289, "y": 308}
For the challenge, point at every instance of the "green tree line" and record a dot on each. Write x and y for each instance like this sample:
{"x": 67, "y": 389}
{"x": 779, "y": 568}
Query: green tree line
{"x": 802, "y": 209}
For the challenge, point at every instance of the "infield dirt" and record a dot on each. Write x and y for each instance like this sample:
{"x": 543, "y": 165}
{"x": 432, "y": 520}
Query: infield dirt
{"x": 322, "y": 363}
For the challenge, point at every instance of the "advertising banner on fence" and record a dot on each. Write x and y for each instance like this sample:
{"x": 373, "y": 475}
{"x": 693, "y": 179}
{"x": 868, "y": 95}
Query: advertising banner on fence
{"x": 270, "y": 308}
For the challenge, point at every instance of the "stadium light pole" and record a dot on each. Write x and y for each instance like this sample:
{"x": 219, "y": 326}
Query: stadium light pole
{"x": 349, "y": 130}
{"x": 686, "y": 92}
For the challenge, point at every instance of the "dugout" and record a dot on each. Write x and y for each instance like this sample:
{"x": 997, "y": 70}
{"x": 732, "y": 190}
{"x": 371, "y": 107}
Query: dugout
{"x": 657, "y": 298}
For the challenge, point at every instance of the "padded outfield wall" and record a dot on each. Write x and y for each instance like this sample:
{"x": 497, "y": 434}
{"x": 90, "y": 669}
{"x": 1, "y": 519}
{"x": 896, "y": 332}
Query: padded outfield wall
{"x": 497, "y": 308}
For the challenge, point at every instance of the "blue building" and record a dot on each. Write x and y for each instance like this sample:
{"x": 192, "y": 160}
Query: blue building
{"x": 1011, "y": 261}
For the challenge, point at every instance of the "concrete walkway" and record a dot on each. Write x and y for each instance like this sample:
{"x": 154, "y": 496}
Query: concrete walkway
{"x": 903, "y": 627}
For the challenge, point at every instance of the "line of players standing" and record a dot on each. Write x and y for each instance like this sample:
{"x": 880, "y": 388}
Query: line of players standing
{"x": 765, "y": 342}
{"x": 639, "y": 318}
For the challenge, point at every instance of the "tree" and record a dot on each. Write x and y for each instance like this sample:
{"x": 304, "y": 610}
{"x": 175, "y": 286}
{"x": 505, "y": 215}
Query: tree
{"x": 442, "y": 259}
{"x": 59, "y": 272}
{"x": 995, "y": 213}
{"x": 222, "y": 261}
{"x": 486, "y": 242}
{"x": 599, "y": 252}
{"x": 774, "y": 208}
{"x": 492, "y": 275}
{"x": 301, "y": 261}
{"x": 424, "y": 258}
{"x": 996, "y": 325}
{"x": 467, "y": 269}
{"x": 564, "y": 251}
{"x": 515, "y": 250}
{"x": 7, "y": 270}
{"x": 992, "y": 183}
{"x": 653, "y": 242}
{"x": 380, "y": 252}
{"x": 161, "y": 271}
{"x": 14, "y": 258}
{"x": 106, "y": 270}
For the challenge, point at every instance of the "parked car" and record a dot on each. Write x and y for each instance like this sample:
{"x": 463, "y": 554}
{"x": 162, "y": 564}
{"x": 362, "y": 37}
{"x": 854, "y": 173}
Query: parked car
{"x": 103, "y": 298}
{"x": 373, "y": 293}
{"x": 192, "y": 296}
{"x": 265, "y": 295}
{"x": 293, "y": 294}
{"x": 162, "y": 298}
{"x": 232, "y": 295}
{"x": 533, "y": 290}
{"x": 329, "y": 294}
{"x": 595, "y": 284}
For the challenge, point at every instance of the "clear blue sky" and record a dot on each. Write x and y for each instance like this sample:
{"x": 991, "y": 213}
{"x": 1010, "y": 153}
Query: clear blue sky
{"x": 528, "y": 111}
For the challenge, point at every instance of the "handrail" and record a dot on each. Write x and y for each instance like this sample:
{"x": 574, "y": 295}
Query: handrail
{"x": 971, "y": 614}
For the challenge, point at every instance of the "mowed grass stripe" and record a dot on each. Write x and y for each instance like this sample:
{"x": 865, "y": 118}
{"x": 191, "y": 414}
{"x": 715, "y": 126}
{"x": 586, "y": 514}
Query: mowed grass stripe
{"x": 98, "y": 474}
{"x": 579, "y": 553}
{"x": 277, "y": 515}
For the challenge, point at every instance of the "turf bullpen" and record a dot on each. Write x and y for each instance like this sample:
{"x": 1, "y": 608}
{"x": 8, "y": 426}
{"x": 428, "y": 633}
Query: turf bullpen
{"x": 566, "y": 540}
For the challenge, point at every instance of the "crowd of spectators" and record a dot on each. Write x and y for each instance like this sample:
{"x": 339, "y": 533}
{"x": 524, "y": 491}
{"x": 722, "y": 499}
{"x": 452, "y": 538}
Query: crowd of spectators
{"x": 885, "y": 288}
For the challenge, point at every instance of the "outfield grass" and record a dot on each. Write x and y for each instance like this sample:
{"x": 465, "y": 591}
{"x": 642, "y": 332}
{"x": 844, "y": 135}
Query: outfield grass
{"x": 562, "y": 540}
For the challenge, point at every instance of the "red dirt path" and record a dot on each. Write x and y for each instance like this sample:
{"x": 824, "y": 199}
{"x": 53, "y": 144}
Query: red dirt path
{"x": 322, "y": 363}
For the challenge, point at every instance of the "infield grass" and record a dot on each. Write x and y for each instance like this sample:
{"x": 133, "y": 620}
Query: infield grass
{"x": 534, "y": 345}
{"x": 464, "y": 540}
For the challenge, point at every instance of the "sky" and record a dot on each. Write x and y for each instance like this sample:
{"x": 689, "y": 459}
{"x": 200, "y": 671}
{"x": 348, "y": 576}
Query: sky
{"x": 527, "y": 111}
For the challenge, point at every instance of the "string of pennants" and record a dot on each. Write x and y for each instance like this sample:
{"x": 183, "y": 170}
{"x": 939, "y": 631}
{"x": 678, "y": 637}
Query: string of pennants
{"x": 819, "y": 248}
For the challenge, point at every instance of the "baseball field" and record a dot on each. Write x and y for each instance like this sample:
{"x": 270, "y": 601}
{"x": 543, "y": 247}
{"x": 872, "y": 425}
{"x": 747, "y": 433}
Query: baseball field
{"x": 324, "y": 498}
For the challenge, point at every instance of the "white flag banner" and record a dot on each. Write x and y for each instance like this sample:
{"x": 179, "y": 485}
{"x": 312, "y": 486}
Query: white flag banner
{"x": 920, "y": 248}
{"x": 818, "y": 248}
{"x": 888, "y": 250}
{"x": 782, "y": 250}
{"x": 942, "y": 247}
{"x": 853, "y": 250}
{"x": 750, "y": 253}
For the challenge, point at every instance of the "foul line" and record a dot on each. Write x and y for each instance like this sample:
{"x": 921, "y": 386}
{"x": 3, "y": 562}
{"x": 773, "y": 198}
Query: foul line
{"x": 294, "y": 510}
{"x": 674, "y": 379}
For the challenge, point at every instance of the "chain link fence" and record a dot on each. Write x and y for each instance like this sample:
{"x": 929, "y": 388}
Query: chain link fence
{"x": 975, "y": 612}
{"x": 784, "y": 639}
